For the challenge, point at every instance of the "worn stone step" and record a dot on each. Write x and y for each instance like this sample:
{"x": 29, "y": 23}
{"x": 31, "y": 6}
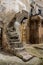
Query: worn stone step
{"x": 13, "y": 35}
{"x": 14, "y": 40}
{"x": 14, "y": 31}
{"x": 16, "y": 45}
{"x": 25, "y": 56}
{"x": 11, "y": 29}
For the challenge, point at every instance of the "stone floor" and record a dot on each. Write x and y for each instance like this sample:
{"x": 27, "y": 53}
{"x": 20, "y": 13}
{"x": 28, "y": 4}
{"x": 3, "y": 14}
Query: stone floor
{"x": 31, "y": 50}
{"x": 13, "y": 60}
{"x": 35, "y": 49}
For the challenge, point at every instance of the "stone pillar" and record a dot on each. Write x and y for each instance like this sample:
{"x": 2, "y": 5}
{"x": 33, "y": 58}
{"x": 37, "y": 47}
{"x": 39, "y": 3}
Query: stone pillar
{"x": 24, "y": 31}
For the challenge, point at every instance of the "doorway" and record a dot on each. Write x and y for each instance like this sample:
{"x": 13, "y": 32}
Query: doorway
{"x": 34, "y": 32}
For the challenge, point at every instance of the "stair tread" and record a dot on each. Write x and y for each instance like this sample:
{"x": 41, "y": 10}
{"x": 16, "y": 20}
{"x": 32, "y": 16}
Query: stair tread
{"x": 12, "y": 32}
{"x": 15, "y": 42}
{"x": 14, "y": 35}
{"x": 14, "y": 39}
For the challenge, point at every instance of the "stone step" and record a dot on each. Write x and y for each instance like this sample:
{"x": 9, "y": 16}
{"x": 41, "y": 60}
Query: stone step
{"x": 20, "y": 49}
{"x": 14, "y": 40}
{"x": 16, "y": 45}
{"x": 25, "y": 56}
{"x": 14, "y": 35}
{"x": 12, "y": 32}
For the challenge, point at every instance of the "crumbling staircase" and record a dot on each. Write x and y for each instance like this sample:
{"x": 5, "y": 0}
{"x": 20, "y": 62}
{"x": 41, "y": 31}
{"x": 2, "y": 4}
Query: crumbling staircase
{"x": 14, "y": 40}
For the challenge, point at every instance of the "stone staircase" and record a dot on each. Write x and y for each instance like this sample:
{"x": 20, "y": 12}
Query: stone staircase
{"x": 14, "y": 39}
{"x": 18, "y": 46}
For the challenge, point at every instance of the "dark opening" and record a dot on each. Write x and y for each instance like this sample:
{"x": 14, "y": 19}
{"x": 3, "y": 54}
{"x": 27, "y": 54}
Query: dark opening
{"x": 42, "y": 23}
{"x": 34, "y": 33}
{"x": 0, "y": 37}
{"x": 23, "y": 19}
{"x": 39, "y": 11}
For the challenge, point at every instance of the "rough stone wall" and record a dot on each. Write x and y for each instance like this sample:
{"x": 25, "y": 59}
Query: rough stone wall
{"x": 8, "y": 9}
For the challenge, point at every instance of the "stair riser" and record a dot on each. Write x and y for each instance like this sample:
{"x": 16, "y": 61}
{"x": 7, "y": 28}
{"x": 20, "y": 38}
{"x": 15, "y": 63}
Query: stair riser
{"x": 16, "y": 45}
